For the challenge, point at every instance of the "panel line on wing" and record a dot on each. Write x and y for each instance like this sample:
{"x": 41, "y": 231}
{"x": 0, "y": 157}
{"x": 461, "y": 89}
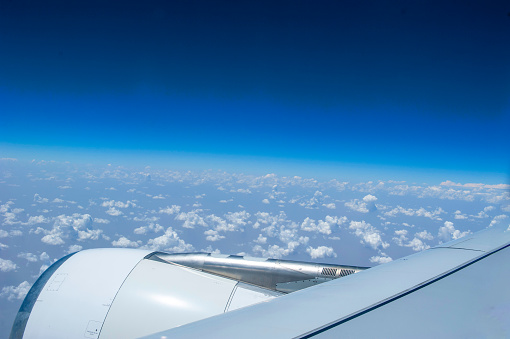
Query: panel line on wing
{"x": 229, "y": 301}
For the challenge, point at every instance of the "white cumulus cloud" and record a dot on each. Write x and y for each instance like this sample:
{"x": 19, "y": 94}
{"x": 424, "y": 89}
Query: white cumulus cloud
{"x": 169, "y": 242}
{"x": 320, "y": 252}
{"x": 421, "y": 212}
{"x": 124, "y": 242}
{"x": 53, "y": 239}
{"x": 114, "y": 212}
{"x": 369, "y": 234}
{"x": 448, "y": 232}
{"x": 15, "y": 292}
{"x": 357, "y": 205}
{"x": 40, "y": 219}
{"x": 7, "y": 265}
{"x": 380, "y": 259}
{"x": 28, "y": 256}
{"x": 118, "y": 204}
{"x": 260, "y": 240}
{"x": 213, "y": 235}
{"x": 170, "y": 210}
{"x": 497, "y": 219}
{"x": 369, "y": 198}
{"x": 191, "y": 219}
{"x": 322, "y": 226}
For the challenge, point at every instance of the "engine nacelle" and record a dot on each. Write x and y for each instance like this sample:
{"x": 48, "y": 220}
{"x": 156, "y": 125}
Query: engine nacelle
{"x": 127, "y": 293}
{"x": 122, "y": 293}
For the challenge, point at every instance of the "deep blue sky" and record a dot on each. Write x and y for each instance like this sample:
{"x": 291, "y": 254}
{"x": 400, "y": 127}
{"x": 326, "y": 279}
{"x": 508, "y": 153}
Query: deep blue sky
{"x": 421, "y": 84}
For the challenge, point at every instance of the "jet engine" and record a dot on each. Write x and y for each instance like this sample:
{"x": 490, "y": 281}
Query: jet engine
{"x": 127, "y": 293}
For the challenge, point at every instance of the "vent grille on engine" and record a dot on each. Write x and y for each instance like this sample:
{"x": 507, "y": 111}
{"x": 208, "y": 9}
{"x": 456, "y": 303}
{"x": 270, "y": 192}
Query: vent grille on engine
{"x": 343, "y": 273}
{"x": 329, "y": 271}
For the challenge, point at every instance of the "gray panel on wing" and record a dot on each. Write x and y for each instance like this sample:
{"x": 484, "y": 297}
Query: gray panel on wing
{"x": 472, "y": 303}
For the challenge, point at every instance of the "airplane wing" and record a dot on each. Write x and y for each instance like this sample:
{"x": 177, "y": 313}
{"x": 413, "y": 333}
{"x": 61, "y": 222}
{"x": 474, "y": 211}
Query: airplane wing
{"x": 458, "y": 289}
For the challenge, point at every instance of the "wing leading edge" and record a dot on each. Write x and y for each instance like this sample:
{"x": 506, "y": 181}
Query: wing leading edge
{"x": 458, "y": 289}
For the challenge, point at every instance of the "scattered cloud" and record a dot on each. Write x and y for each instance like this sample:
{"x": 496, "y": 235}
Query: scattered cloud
{"x": 114, "y": 212}
{"x": 357, "y": 205}
{"x": 39, "y": 199}
{"x": 169, "y": 242}
{"x": 125, "y": 242}
{"x": 421, "y": 212}
{"x": 15, "y": 292}
{"x": 40, "y": 219}
{"x": 152, "y": 227}
{"x": 369, "y": 234}
{"x": 320, "y": 252}
{"x": 7, "y": 265}
{"x": 314, "y": 202}
{"x": 118, "y": 204}
{"x": 170, "y": 210}
{"x": 377, "y": 259}
{"x": 241, "y": 190}
{"x": 322, "y": 226}
{"x": 459, "y": 216}
{"x": 213, "y": 235}
{"x": 416, "y": 243}
{"x": 425, "y": 235}
{"x": 53, "y": 239}
{"x": 260, "y": 240}
{"x": 476, "y": 185}
{"x": 191, "y": 219}
{"x": 369, "y": 198}
{"x": 497, "y": 220}
{"x": 275, "y": 251}
{"x": 28, "y": 256}
{"x": 448, "y": 232}
{"x": 74, "y": 226}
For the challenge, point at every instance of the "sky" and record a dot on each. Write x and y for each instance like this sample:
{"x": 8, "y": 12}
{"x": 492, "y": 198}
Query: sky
{"x": 419, "y": 86}
{"x": 350, "y": 132}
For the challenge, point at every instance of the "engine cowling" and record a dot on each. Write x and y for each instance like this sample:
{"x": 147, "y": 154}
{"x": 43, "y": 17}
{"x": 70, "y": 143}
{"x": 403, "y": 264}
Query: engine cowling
{"x": 128, "y": 293}
{"x": 121, "y": 293}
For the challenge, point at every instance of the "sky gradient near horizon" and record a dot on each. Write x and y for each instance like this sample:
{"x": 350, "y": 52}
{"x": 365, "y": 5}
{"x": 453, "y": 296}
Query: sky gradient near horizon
{"x": 421, "y": 85}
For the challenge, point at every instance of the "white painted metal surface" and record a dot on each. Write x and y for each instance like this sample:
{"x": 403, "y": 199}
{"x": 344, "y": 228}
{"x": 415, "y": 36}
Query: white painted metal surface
{"x": 76, "y": 299}
{"x": 472, "y": 303}
{"x": 158, "y": 296}
{"x": 312, "y": 309}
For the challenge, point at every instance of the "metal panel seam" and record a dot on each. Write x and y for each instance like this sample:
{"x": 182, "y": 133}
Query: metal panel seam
{"x": 127, "y": 276}
{"x": 227, "y": 306}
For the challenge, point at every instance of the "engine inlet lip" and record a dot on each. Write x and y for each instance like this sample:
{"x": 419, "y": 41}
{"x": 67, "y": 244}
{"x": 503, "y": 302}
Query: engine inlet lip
{"x": 20, "y": 322}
